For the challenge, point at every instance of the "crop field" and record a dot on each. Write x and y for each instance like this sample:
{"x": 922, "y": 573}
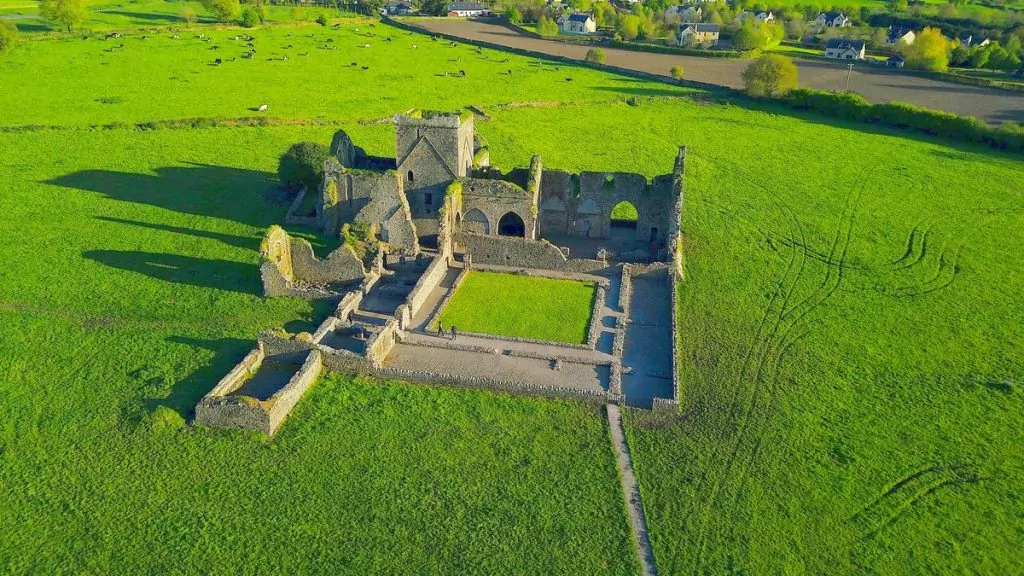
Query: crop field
{"x": 851, "y": 328}
{"x": 522, "y": 306}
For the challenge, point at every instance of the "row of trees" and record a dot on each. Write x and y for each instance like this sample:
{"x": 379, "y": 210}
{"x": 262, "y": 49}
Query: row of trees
{"x": 933, "y": 51}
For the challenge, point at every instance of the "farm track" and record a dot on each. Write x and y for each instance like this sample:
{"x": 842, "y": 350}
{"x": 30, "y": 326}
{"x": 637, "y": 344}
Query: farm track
{"x": 876, "y": 85}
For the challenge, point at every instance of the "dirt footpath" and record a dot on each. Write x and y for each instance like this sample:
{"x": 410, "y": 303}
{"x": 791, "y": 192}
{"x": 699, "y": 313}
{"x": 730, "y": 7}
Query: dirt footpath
{"x": 991, "y": 105}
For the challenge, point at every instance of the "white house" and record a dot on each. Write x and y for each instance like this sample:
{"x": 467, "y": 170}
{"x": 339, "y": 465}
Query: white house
{"x": 697, "y": 35}
{"x": 764, "y": 17}
{"x": 897, "y": 35}
{"x": 831, "y": 20}
{"x": 577, "y": 24}
{"x": 685, "y": 13}
{"x": 467, "y": 10}
{"x": 399, "y": 8}
{"x": 968, "y": 41}
{"x": 843, "y": 49}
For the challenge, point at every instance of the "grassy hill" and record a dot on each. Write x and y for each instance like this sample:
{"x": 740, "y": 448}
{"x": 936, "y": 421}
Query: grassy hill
{"x": 851, "y": 333}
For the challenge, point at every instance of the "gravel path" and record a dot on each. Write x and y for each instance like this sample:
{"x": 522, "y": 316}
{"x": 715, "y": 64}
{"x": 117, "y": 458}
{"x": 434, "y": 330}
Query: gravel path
{"x": 877, "y": 85}
{"x": 631, "y": 492}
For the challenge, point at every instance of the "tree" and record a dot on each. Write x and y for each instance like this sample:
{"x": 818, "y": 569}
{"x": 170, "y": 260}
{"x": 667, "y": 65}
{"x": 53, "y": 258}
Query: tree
{"x": 677, "y": 72}
{"x": 65, "y": 13}
{"x": 302, "y": 165}
{"x": 716, "y": 18}
{"x": 513, "y": 15}
{"x": 546, "y": 26}
{"x": 750, "y": 37}
{"x": 796, "y": 28}
{"x": 188, "y": 15}
{"x": 249, "y": 17}
{"x": 930, "y": 51}
{"x": 605, "y": 14}
{"x": 595, "y": 55}
{"x": 770, "y": 75}
{"x": 434, "y": 7}
{"x": 8, "y": 36}
{"x": 224, "y": 10}
{"x": 629, "y": 27}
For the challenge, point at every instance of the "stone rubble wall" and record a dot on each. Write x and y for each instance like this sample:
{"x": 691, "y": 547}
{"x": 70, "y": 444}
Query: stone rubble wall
{"x": 495, "y": 384}
{"x": 231, "y": 412}
{"x": 349, "y": 304}
{"x": 381, "y": 343}
{"x": 675, "y": 237}
{"x": 511, "y": 251}
{"x": 285, "y": 399}
{"x": 540, "y": 273}
{"x": 292, "y": 218}
{"x": 525, "y": 340}
{"x": 429, "y": 280}
{"x": 594, "y": 328}
{"x": 447, "y": 297}
{"x": 676, "y": 400}
{"x": 278, "y": 342}
{"x": 240, "y": 373}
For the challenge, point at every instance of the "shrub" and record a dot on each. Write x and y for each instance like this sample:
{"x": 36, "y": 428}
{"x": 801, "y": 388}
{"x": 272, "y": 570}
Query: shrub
{"x": 677, "y": 72}
{"x": 8, "y": 36}
{"x": 771, "y": 75}
{"x": 546, "y": 26}
{"x": 596, "y": 55}
{"x": 302, "y": 165}
{"x": 513, "y": 15}
{"x": 225, "y": 10}
{"x": 930, "y": 51}
{"x": 250, "y": 17}
{"x": 188, "y": 15}
{"x": 321, "y": 20}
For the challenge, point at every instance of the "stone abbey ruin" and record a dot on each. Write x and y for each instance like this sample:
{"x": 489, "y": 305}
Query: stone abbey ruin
{"x": 414, "y": 225}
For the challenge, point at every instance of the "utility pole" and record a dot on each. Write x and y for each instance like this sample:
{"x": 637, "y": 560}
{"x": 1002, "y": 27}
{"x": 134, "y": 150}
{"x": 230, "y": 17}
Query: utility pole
{"x": 849, "y": 72}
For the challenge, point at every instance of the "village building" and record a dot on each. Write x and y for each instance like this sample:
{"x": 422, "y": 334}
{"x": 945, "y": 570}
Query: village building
{"x": 467, "y": 10}
{"x": 697, "y": 35}
{"x": 843, "y": 49}
{"x": 898, "y": 35}
{"x": 577, "y": 23}
{"x": 833, "y": 19}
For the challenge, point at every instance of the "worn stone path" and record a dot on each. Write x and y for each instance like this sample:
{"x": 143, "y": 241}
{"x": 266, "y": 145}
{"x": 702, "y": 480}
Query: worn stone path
{"x": 631, "y": 492}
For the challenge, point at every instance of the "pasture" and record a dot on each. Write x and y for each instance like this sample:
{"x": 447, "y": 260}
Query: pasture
{"x": 521, "y": 306}
{"x": 851, "y": 333}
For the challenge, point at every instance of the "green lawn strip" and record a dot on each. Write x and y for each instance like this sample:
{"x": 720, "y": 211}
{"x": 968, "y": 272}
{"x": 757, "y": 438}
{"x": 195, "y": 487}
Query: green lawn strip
{"x": 521, "y": 306}
{"x": 86, "y": 79}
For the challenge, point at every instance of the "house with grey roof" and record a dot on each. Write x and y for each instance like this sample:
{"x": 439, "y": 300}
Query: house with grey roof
{"x": 577, "y": 23}
{"x": 697, "y": 35}
{"x": 843, "y": 49}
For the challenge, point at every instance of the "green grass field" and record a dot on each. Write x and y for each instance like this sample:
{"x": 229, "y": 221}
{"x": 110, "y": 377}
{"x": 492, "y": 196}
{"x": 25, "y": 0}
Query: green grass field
{"x": 851, "y": 333}
{"x": 521, "y": 306}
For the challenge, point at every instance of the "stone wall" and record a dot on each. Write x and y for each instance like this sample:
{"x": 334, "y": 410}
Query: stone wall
{"x": 378, "y": 348}
{"x": 509, "y": 251}
{"x": 367, "y": 196}
{"x": 288, "y": 267}
{"x": 349, "y": 304}
{"x": 496, "y": 384}
{"x": 485, "y": 202}
{"x": 428, "y": 281}
{"x": 582, "y": 204}
{"x": 343, "y": 149}
{"x": 675, "y": 235}
{"x": 279, "y": 342}
{"x": 293, "y": 217}
{"x": 282, "y": 402}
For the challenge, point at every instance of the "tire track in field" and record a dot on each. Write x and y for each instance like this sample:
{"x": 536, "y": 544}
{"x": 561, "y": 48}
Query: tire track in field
{"x": 772, "y": 363}
{"x": 903, "y": 494}
{"x": 767, "y": 352}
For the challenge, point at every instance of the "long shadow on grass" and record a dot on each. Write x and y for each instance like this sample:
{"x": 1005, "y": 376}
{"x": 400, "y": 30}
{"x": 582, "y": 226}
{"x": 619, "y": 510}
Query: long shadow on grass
{"x": 229, "y": 193}
{"x": 219, "y": 274}
{"x": 185, "y": 393}
{"x": 231, "y": 240}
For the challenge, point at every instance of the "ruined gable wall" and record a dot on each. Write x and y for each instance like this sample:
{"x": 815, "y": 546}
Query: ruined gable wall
{"x": 341, "y": 265}
{"x": 495, "y": 198}
{"x": 510, "y": 251}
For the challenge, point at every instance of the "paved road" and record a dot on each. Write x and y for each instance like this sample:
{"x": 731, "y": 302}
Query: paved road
{"x": 876, "y": 85}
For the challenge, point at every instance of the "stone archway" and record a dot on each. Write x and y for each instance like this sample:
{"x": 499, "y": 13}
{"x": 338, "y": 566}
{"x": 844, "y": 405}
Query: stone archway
{"x": 476, "y": 221}
{"x": 624, "y": 218}
{"x": 511, "y": 224}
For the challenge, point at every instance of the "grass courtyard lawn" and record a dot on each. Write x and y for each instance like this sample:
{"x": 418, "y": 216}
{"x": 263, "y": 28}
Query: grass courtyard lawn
{"x": 850, "y": 338}
{"x": 522, "y": 306}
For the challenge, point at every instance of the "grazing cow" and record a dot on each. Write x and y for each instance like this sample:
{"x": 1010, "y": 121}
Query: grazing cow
{"x": 218, "y": 62}
{"x": 366, "y": 67}
{"x": 366, "y": 45}
{"x": 462, "y": 73}
{"x": 263, "y": 107}
{"x": 568, "y": 78}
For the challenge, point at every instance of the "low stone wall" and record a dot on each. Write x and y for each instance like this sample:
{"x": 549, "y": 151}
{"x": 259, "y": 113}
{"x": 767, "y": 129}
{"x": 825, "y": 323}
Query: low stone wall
{"x": 344, "y": 361}
{"x": 349, "y": 304}
{"x": 429, "y": 280}
{"x": 449, "y": 345}
{"x": 594, "y": 332}
{"x": 526, "y": 340}
{"x": 240, "y": 373}
{"x": 676, "y": 398}
{"x": 447, "y": 298}
{"x": 626, "y": 289}
{"x": 511, "y": 251}
{"x": 615, "y": 381}
{"x": 282, "y": 402}
{"x": 495, "y": 384}
{"x": 341, "y": 265}
{"x": 540, "y": 273}
{"x": 276, "y": 342}
{"x": 292, "y": 218}
{"x": 380, "y": 345}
